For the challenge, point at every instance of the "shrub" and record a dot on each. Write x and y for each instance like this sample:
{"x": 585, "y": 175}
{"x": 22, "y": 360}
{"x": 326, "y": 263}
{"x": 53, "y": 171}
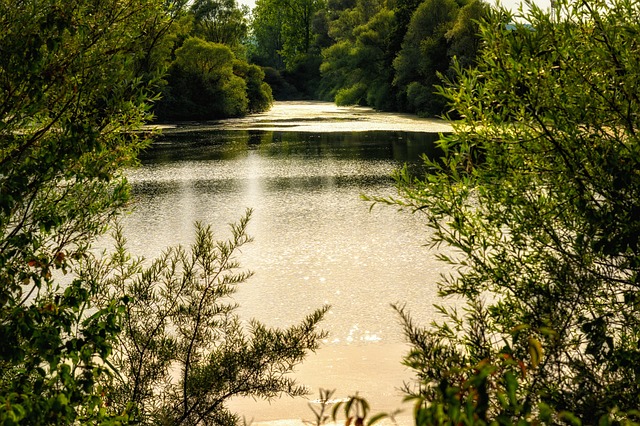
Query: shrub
{"x": 537, "y": 197}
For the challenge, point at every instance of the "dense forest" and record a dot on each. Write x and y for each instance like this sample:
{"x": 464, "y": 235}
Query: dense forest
{"x": 225, "y": 60}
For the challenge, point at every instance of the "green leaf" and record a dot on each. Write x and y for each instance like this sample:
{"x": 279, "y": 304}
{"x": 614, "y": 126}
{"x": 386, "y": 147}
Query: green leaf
{"x": 535, "y": 351}
{"x": 376, "y": 418}
{"x": 569, "y": 418}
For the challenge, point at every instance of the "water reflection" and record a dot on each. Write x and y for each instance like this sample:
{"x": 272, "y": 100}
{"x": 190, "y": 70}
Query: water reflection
{"x": 191, "y": 144}
{"x": 315, "y": 243}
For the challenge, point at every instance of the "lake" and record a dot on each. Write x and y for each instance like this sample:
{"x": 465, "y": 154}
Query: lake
{"x": 315, "y": 242}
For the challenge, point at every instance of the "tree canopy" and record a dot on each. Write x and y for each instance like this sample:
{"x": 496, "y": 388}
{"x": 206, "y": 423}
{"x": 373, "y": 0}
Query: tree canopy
{"x": 78, "y": 83}
{"x": 220, "y": 21}
{"x": 208, "y": 74}
{"x": 391, "y": 55}
{"x": 283, "y": 30}
{"x": 537, "y": 195}
{"x": 72, "y": 96}
{"x": 202, "y": 85}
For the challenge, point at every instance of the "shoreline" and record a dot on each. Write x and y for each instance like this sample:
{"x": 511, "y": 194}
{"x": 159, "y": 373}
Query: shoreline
{"x": 319, "y": 116}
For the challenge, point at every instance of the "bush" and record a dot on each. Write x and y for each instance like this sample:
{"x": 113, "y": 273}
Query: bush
{"x": 184, "y": 351}
{"x": 537, "y": 195}
{"x": 282, "y": 90}
{"x": 207, "y": 82}
{"x": 74, "y": 95}
{"x": 352, "y": 95}
{"x": 258, "y": 92}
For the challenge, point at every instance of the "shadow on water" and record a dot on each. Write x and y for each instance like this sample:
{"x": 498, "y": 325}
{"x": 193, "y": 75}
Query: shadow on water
{"x": 402, "y": 147}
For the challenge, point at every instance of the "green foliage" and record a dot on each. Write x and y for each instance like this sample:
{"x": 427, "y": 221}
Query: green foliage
{"x": 536, "y": 196}
{"x": 297, "y": 29}
{"x": 403, "y": 10}
{"x": 304, "y": 75}
{"x": 202, "y": 84}
{"x": 352, "y": 95}
{"x": 420, "y": 98}
{"x": 184, "y": 350}
{"x": 355, "y": 70}
{"x": 356, "y": 409}
{"x": 424, "y": 54}
{"x": 220, "y": 21}
{"x": 77, "y": 81}
{"x": 463, "y": 38}
{"x": 283, "y": 30}
{"x": 207, "y": 81}
{"x": 393, "y": 48}
{"x": 75, "y": 84}
{"x": 439, "y": 34}
{"x": 286, "y": 36}
{"x": 280, "y": 87}
{"x": 335, "y": 68}
{"x": 268, "y": 38}
{"x": 397, "y": 51}
{"x": 258, "y": 91}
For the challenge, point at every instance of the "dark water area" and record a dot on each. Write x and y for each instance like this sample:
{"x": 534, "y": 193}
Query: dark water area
{"x": 316, "y": 242}
{"x": 186, "y": 145}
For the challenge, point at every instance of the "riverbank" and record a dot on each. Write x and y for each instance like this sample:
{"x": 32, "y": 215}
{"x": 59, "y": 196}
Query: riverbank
{"x": 316, "y": 116}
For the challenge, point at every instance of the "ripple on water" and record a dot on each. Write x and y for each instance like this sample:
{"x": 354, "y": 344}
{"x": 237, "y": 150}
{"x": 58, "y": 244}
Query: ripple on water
{"x": 315, "y": 241}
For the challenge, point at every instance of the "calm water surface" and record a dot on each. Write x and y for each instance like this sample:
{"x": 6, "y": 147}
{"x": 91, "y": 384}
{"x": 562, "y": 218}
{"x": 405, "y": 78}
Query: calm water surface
{"x": 316, "y": 241}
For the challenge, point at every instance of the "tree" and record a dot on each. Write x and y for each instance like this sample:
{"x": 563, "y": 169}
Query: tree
{"x": 184, "y": 350}
{"x": 258, "y": 91}
{"x": 202, "y": 85}
{"x": 207, "y": 81}
{"x": 365, "y": 78}
{"x": 424, "y": 55}
{"x": 367, "y": 64}
{"x": 403, "y": 10}
{"x": 355, "y": 69}
{"x": 283, "y": 29}
{"x": 464, "y": 37}
{"x": 221, "y": 21}
{"x": 75, "y": 88}
{"x": 537, "y": 195}
{"x": 297, "y": 29}
{"x": 268, "y": 38}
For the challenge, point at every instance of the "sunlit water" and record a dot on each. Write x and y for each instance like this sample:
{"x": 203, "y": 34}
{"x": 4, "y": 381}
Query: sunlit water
{"x": 316, "y": 241}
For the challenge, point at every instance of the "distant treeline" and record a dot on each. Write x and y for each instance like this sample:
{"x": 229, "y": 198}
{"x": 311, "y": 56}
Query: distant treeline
{"x": 387, "y": 54}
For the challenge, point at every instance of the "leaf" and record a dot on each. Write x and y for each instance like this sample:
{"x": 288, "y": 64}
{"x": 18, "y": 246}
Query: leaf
{"x": 377, "y": 418}
{"x": 523, "y": 369}
{"x": 546, "y": 331}
{"x": 570, "y": 418}
{"x": 519, "y": 328}
{"x": 334, "y": 411}
{"x": 512, "y": 386}
{"x": 535, "y": 351}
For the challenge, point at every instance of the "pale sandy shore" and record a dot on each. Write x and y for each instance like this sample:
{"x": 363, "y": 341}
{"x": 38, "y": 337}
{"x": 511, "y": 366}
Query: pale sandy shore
{"x": 316, "y": 116}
